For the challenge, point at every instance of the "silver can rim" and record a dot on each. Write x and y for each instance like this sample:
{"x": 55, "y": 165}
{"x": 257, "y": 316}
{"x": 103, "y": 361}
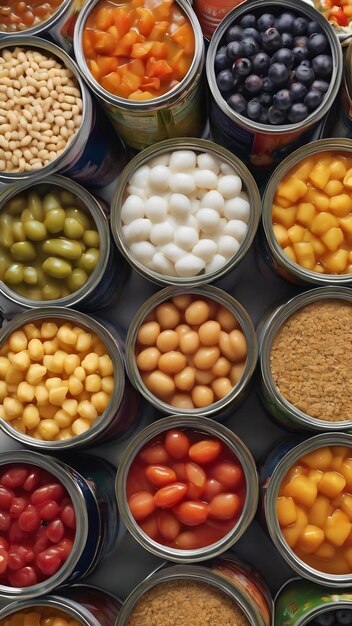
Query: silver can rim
{"x": 103, "y": 421}
{"x": 98, "y": 216}
{"x": 185, "y": 143}
{"x": 28, "y": 41}
{"x": 307, "y": 276}
{"x": 124, "y": 103}
{"x": 69, "y": 607}
{"x": 61, "y": 471}
{"x": 274, "y": 323}
{"x": 271, "y": 493}
{"x": 237, "y": 447}
{"x": 336, "y": 53}
{"x": 221, "y": 297}
{"x": 194, "y": 573}
{"x": 42, "y": 27}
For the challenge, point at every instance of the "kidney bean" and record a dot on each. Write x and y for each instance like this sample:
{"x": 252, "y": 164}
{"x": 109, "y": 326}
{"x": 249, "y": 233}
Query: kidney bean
{"x": 205, "y": 451}
{"x": 168, "y": 525}
{"x": 150, "y": 526}
{"x": 196, "y": 474}
{"x": 15, "y": 534}
{"x": 160, "y": 475}
{"x": 50, "y": 510}
{"x": 168, "y": 496}
{"x": 32, "y": 480}
{"x": 68, "y": 516}
{"x": 194, "y": 492}
{"x": 187, "y": 540}
{"x": 180, "y": 470}
{"x": 154, "y": 455}
{"x": 141, "y": 505}
{"x": 225, "y": 506}
{"x": 55, "y": 531}
{"x": 6, "y": 498}
{"x": 191, "y": 513}
{"x": 14, "y": 477}
{"x": 212, "y": 489}
{"x": 18, "y": 506}
{"x": 42, "y": 542}
{"x": 64, "y": 547}
{"x": 25, "y": 577}
{"x": 228, "y": 474}
{"x": 177, "y": 444}
{"x": 48, "y": 561}
{"x": 29, "y": 520}
{"x": 53, "y": 491}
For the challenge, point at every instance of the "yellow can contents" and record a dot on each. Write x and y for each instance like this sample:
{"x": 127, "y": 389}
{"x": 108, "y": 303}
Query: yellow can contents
{"x": 39, "y": 616}
{"x": 312, "y": 213}
{"x": 49, "y": 243}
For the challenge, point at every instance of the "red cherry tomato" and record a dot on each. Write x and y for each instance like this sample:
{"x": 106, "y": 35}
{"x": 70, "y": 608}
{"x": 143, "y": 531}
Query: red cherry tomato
{"x": 168, "y": 496}
{"x": 5, "y": 521}
{"x": 55, "y": 531}
{"x": 49, "y": 562}
{"x": 150, "y": 526}
{"x": 29, "y": 520}
{"x": 154, "y": 454}
{"x": 19, "y": 557}
{"x": 141, "y": 505}
{"x": 64, "y": 547}
{"x": 6, "y": 498}
{"x": 25, "y": 577}
{"x": 51, "y": 491}
{"x": 187, "y": 540}
{"x": 42, "y": 542}
{"x": 205, "y": 451}
{"x": 18, "y": 506}
{"x": 196, "y": 474}
{"x": 49, "y": 510}
{"x": 14, "y": 477}
{"x": 32, "y": 480}
{"x": 160, "y": 475}
{"x": 212, "y": 489}
{"x": 3, "y": 560}
{"x": 177, "y": 443}
{"x": 168, "y": 525}
{"x": 15, "y": 534}
{"x": 228, "y": 474}
{"x": 191, "y": 513}
{"x": 4, "y": 545}
{"x": 180, "y": 470}
{"x": 137, "y": 480}
{"x": 68, "y": 516}
{"x": 225, "y": 505}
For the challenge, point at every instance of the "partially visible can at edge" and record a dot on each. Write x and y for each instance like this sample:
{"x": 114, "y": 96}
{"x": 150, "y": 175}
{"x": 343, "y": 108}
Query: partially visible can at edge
{"x": 89, "y": 605}
{"x": 343, "y": 126}
{"x": 263, "y": 145}
{"x": 211, "y": 12}
{"x": 89, "y": 481}
{"x": 300, "y": 601}
{"x": 178, "y": 113}
{"x": 95, "y": 155}
{"x": 110, "y": 274}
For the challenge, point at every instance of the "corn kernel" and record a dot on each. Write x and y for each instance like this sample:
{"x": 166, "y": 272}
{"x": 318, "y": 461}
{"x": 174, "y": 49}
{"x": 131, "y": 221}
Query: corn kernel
{"x": 318, "y": 246}
{"x": 296, "y": 233}
{"x": 320, "y": 511}
{"x": 340, "y": 453}
{"x": 315, "y": 476}
{"x": 331, "y": 484}
{"x": 333, "y": 188}
{"x": 325, "y": 551}
{"x": 292, "y": 533}
{"x": 292, "y": 189}
{"x": 303, "y": 169}
{"x": 25, "y": 392}
{"x": 48, "y": 429}
{"x": 346, "y": 224}
{"x": 310, "y": 539}
{"x": 305, "y": 254}
{"x": 31, "y": 417}
{"x": 283, "y": 203}
{"x": 333, "y": 238}
{"x": 322, "y": 223}
{"x": 337, "y": 170}
{"x": 305, "y": 213}
{"x": 35, "y": 374}
{"x": 341, "y": 205}
{"x": 320, "y": 200}
{"x": 302, "y": 490}
{"x": 336, "y": 262}
{"x": 286, "y": 217}
{"x": 318, "y": 459}
{"x": 346, "y": 505}
{"x": 286, "y": 511}
{"x": 319, "y": 175}
{"x": 281, "y": 235}
{"x": 289, "y": 251}
{"x": 346, "y": 471}
{"x": 337, "y": 528}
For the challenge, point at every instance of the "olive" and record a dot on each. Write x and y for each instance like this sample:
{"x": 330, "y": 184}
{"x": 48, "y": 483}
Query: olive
{"x": 73, "y": 228}
{"x": 23, "y": 251}
{"x": 263, "y": 117}
{"x": 300, "y": 54}
{"x": 313, "y": 27}
{"x": 5, "y": 261}
{"x": 33, "y": 293}
{"x": 89, "y": 260}
{"x": 234, "y": 33}
{"x": 67, "y": 198}
{"x": 284, "y": 22}
{"x": 35, "y": 230}
{"x": 14, "y": 274}
{"x": 300, "y": 42}
{"x": 297, "y": 113}
{"x": 27, "y": 215}
{"x": 57, "y": 268}
{"x": 16, "y": 205}
{"x": 322, "y": 65}
{"x": 320, "y": 85}
{"x": 282, "y": 99}
{"x": 77, "y": 279}
{"x": 225, "y": 81}
{"x": 265, "y": 99}
{"x": 325, "y": 619}
{"x": 344, "y": 617}
{"x": 6, "y": 231}
{"x": 35, "y": 206}
{"x": 91, "y": 239}
{"x": 30, "y": 276}
{"x": 265, "y": 21}
{"x": 80, "y": 216}
{"x": 51, "y": 201}
{"x": 238, "y": 103}
{"x": 63, "y": 247}
{"x": 18, "y": 231}
{"x": 55, "y": 220}
{"x": 253, "y": 33}
{"x": 268, "y": 86}
{"x": 248, "y": 21}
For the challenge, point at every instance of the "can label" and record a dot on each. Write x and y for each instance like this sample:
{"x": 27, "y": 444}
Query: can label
{"x": 300, "y": 598}
{"x": 211, "y": 12}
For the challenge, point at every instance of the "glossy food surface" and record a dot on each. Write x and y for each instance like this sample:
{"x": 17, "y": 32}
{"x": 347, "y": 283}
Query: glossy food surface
{"x": 39, "y": 616}
{"x": 18, "y": 15}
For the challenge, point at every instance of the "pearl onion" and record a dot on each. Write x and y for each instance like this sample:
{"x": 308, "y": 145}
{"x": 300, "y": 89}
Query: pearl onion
{"x": 228, "y": 246}
{"x": 138, "y": 230}
{"x": 179, "y": 205}
{"x": 213, "y": 200}
{"x": 186, "y": 237}
{"x": 208, "y": 220}
{"x": 161, "y": 234}
{"x": 236, "y": 229}
{"x": 161, "y": 264}
{"x": 216, "y": 263}
{"x": 137, "y": 191}
{"x": 229, "y": 186}
{"x": 132, "y": 209}
{"x": 227, "y": 169}
{"x": 195, "y": 205}
{"x": 182, "y": 183}
{"x": 205, "y": 249}
{"x": 206, "y": 179}
{"x": 182, "y": 161}
{"x": 159, "y": 178}
{"x": 156, "y": 209}
{"x": 237, "y": 209}
{"x": 208, "y": 162}
{"x": 173, "y": 252}
{"x": 163, "y": 159}
{"x": 143, "y": 251}
{"x": 189, "y": 265}
{"x": 141, "y": 177}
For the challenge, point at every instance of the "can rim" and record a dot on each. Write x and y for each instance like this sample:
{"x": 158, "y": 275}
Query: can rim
{"x": 67, "y": 606}
{"x": 277, "y": 321}
{"x": 96, "y": 213}
{"x": 64, "y": 473}
{"x": 42, "y": 26}
{"x": 321, "y": 145}
{"x": 237, "y": 447}
{"x": 113, "y": 349}
{"x": 336, "y": 53}
{"x": 185, "y": 143}
{"x": 271, "y": 493}
{"x": 222, "y": 298}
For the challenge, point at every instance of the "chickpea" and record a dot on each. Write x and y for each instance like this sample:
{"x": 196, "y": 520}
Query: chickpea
{"x": 197, "y": 312}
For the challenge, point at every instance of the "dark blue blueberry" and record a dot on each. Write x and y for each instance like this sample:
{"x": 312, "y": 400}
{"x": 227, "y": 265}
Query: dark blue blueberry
{"x": 313, "y": 99}
{"x": 234, "y": 33}
{"x": 263, "y": 117}
{"x": 284, "y": 22}
{"x": 291, "y": 77}
{"x": 271, "y": 40}
{"x": 301, "y": 42}
{"x": 285, "y": 56}
{"x": 320, "y": 85}
{"x": 300, "y": 25}
{"x": 278, "y": 74}
{"x": 317, "y": 44}
{"x": 261, "y": 63}
{"x": 265, "y": 99}
{"x": 233, "y": 50}
{"x": 306, "y": 63}
{"x": 325, "y": 619}
{"x": 287, "y": 40}
{"x": 249, "y": 47}
{"x": 225, "y": 81}
{"x": 254, "y": 109}
{"x": 253, "y": 84}
{"x": 282, "y": 99}
{"x": 268, "y": 86}
{"x": 300, "y": 54}
{"x": 222, "y": 61}
{"x": 252, "y": 32}
{"x": 322, "y": 65}
{"x": 313, "y": 27}
{"x": 248, "y": 21}
{"x": 242, "y": 67}
{"x": 297, "y": 113}
{"x": 275, "y": 116}
{"x": 238, "y": 103}
{"x": 298, "y": 91}
{"x": 344, "y": 617}
{"x": 265, "y": 21}
{"x": 305, "y": 74}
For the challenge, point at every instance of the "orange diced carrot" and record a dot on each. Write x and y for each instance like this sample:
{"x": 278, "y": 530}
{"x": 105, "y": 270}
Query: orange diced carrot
{"x": 160, "y": 50}
{"x": 122, "y": 19}
{"x": 88, "y": 47}
{"x": 141, "y": 50}
{"x": 94, "y": 68}
{"x": 132, "y": 80}
{"x": 162, "y": 10}
{"x": 111, "y": 82}
{"x": 140, "y": 95}
{"x": 145, "y": 21}
{"x": 103, "y": 18}
{"x": 106, "y": 65}
{"x": 158, "y": 31}
{"x": 151, "y": 83}
{"x": 125, "y": 44}
{"x": 158, "y": 67}
{"x": 104, "y": 43}
{"x": 136, "y": 67}
{"x": 114, "y": 32}
{"x": 136, "y": 3}
{"x": 184, "y": 37}
{"x": 181, "y": 66}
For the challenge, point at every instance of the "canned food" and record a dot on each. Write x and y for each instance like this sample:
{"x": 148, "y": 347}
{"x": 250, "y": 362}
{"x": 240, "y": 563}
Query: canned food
{"x": 139, "y": 121}
{"x": 173, "y": 368}
{"x": 66, "y": 520}
{"x": 30, "y": 284}
{"x": 300, "y": 602}
{"x": 81, "y": 604}
{"x": 317, "y": 211}
{"x": 178, "y": 451}
{"x": 339, "y": 17}
{"x": 289, "y": 399}
{"x": 73, "y": 391}
{"x": 210, "y": 13}
{"x": 310, "y": 530}
{"x": 263, "y": 136}
{"x": 77, "y": 145}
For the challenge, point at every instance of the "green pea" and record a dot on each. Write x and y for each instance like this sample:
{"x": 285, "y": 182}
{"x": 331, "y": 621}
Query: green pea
{"x": 27, "y": 215}
{"x": 30, "y": 275}
{"x": 35, "y": 230}
{"x": 33, "y": 293}
{"x": 51, "y": 201}
{"x": 67, "y": 198}
{"x": 5, "y": 261}
{"x": 91, "y": 238}
{"x": 23, "y": 251}
{"x": 57, "y": 268}
{"x": 51, "y": 291}
{"x": 15, "y": 205}
{"x": 42, "y": 278}
{"x": 35, "y": 206}
{"x": 79, "y": 216}
{"x": 14, "y": 274}
{"x": 18, "y": 231}
{"x": 6, "y": 234}
{"x": 63, "y": 247}
{"x": 77, "y": 279}
{"x": 88, "y": 260}
{"x": 55, "y": 220}
{"x": 73, "y": 228}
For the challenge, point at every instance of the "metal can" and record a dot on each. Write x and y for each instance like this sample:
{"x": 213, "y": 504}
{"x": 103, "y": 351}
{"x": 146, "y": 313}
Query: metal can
{"x": 343, "y": 122}
{"x": 211, "y": 12}
{"x": 198, "y": 145}
{"x": 208, "y": 427}
{"x": 103, "y": 285}
{"x": 223, "y": 408}
{"x": 89, "y": 605}
{"x": 300, "y": 601}
{"x": 262, "y": 145}
{"x": 95, "y": 155}
{"x": 271, "y": 250}
{"x": 283, "y": 411}
{"x": 90, "y": 483}
{"x": 123, "y": 408}
{"x": 177, "y": 113}
{"x": 209, "y": 575}
{"x": 279, "y": 463}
